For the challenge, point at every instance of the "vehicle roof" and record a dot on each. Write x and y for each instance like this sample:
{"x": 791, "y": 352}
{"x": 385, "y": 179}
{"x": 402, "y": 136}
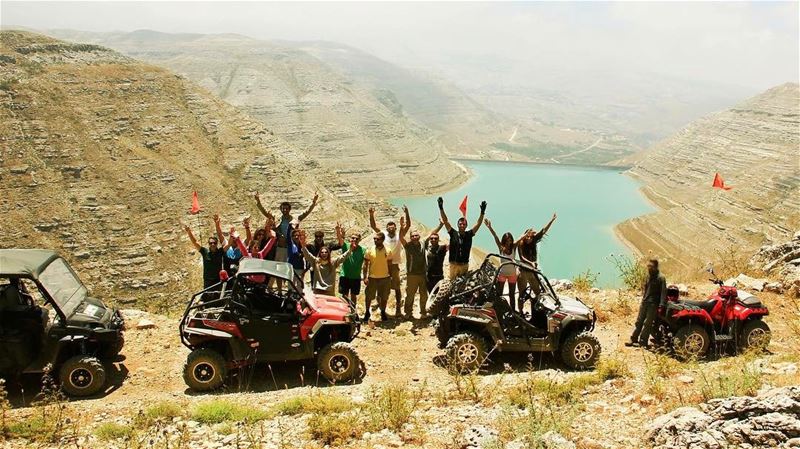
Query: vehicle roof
{"x": 250, "y": 265}
{"x": 25, "y": 262}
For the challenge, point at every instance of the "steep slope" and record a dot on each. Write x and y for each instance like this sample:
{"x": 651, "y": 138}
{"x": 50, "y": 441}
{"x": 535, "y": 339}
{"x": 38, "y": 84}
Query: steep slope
{"x": 755, "y": 146}
{"x": 100, "y": 153}
{"x": 332, "y": 119}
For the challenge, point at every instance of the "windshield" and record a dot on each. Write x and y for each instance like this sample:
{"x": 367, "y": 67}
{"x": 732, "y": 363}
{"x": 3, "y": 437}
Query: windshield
{"x": 63, "y": 286}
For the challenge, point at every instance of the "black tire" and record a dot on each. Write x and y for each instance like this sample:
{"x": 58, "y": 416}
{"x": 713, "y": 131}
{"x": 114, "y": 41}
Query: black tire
{"x": 691, "y": 342}
{"x": 661, "y": 337}
{"x": 339, "y": 362}
{"x": 580, "y": 350}
{"x": 82, "y": 376}
{"x": 441, "y": 298}
{"x": 205, "y": 370}
{"x": 441, "y": 333}
{"x": 755, "y": 334}
{"x": 466, "y": 353}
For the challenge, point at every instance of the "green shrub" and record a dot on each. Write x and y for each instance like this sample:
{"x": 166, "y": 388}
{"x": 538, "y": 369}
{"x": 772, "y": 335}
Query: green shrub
{"x": 585, "y": 281}
{"x": 743, "y": 382}
{"x": 163, "y": 409}
{"x": 113, "y": 431}
{"x": 390, "y": 407}
{"x": 335, "y": 429}
{"x": 632, "y": 271}
{"x": 220, "y": 410}
{"x": 611, "y": 367}
{"x": 315, "y": 403}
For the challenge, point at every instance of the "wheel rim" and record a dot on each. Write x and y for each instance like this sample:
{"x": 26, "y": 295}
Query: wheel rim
{"x": 339, "y": 364}
{"x": 694, "y": 343}
{"x": 80, "y": 378}
{"x": 583, "y": 351}
{"x": 757, "y": 337}
{"x": 204, "y": 372}
{"x": 467, "y": 353}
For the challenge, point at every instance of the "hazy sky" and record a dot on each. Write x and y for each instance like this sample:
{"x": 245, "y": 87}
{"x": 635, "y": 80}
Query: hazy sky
{"x": 747, "y": 44}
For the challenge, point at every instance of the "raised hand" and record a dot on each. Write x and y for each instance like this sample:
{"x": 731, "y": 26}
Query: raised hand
{"x": 216, "y": 218}
{"x": 257, "y": 196}
{"x": 187, "y": 228}
{"x": 246, "y": 222}
{"x": 302, "y": 237}
{"x": 483, "y": 207}
{"x": 316, "y": 198}
{"x": 440, "y": 201}
{"x": 554, "y": 216}
{"x": 405, "y": 208}
{"x": 371, "y": 210}
{"x": 488, "y": 223}
{"x": 402, "y": 222}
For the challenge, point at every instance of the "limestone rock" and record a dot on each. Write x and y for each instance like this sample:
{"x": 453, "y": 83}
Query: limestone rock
{"x": 144, "y": 323}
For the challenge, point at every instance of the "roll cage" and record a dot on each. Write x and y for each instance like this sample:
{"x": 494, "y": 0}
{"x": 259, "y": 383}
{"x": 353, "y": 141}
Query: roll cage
{"x": 490, "y": 269}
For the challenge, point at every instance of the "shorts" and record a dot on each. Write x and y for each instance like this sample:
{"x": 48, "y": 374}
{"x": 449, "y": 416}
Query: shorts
{"x": 394, "y": 274}
{"x": 457, "y": 269}
{"x": 349, "y": 286}
{"x": 510, "y": 278}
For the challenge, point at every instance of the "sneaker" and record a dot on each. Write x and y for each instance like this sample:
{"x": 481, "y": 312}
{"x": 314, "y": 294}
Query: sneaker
{"x": 424, "y": 316}
{"x": 384, "y": 317}
{"x": 366, "y": 316}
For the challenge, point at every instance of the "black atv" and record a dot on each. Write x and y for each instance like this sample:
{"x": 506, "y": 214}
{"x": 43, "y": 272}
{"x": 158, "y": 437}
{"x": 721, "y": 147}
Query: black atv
{"x": 473, "y": 318}
{"x": 245, "y": 320}
{"x": 48, "y": 318}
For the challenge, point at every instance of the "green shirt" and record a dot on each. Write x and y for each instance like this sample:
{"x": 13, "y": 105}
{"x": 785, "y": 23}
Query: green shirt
{"x": 351, "y": 267}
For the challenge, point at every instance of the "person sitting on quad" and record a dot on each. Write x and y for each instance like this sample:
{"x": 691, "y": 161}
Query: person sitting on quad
{"x": 528, "y": 252}
{"x": 416, "y": 266}
{"x": 508, "y": 273}
{"x": 653, "y": 297}
{"x": 460, "y": 240}
{"x": 212, "y": 255}
{"x": 324, "y": 281}
{"x": 434, "y": 255}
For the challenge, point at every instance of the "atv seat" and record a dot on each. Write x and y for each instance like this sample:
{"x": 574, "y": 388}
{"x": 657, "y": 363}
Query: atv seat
{"x": 706, "y": 305}
{"x": 748, "y": 300}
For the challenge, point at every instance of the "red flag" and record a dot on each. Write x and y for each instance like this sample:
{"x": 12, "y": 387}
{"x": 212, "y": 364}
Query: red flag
{"x": 195, "y": 204}
{"x": 463, "y": 206}
{"x": 719, "y": 183}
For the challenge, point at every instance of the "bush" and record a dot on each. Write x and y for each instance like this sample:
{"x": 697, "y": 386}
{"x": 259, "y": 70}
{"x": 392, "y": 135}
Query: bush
{"x": 534, "y": 390}
{"x": 390, "y": 407}
{"x": 610, "y": 367}
{"x": 743, "y": 382}
{"x": 217, "y": 411}
{"x": 585, "y": 281}
{"x": 163, "y": 409}
{"x": 632, "y": 271}
{"x": 334, "y": 429}
{"x": 113, "y": 431}
{"x": 315, "y": 403}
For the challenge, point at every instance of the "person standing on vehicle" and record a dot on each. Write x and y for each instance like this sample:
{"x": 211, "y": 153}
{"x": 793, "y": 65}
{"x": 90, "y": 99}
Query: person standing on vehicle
{"x": 460, "y": 240}
{"x": 282, "y": 225}
{"x": 653, "y": 297}
{"x": 392, "y": 243}
{"x": 376, "y": 275}
{"x": 212, "y": 255}
{"x": 434, "y": 258}
{"x": 527, "y": 249}
{"x": 416, "y": 267}
{"x": 350, "y": 271}
{"x": 508, "y": 273}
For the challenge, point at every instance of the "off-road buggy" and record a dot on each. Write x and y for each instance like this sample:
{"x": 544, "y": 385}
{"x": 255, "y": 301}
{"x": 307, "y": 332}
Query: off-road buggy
{"x": 472, "y": 316}
{"x": 244, "y": 320}
{"x": 48, "y": 318}
{"x": 728, "y": 319}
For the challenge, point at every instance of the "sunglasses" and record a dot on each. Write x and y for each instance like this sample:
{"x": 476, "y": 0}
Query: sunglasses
{"x": 414, "y": 236}
{"x": 211, "y": 242}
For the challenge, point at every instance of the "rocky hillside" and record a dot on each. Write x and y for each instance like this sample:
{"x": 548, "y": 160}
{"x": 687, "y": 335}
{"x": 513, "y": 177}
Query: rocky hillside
{"x": 99, "y": 155}
{"x": 350, "y": 129}
{"x": 755, "y": 147}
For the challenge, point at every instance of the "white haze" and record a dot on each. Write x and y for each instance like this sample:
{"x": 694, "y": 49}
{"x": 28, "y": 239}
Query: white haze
{"x": 745, "y": 44}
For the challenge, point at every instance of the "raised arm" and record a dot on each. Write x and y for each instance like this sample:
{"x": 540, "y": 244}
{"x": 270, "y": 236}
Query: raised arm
{"x": 372, "y": 223}
{"x": 191, "y": 238}
{"x": 480, "y": 218}
{"x": 443, "y": 215}
{"x": 339, "y": 234}
{"x": 403, "y": 230}
{"x": 248, "y": 233}
{"x": 260, "y": 206}
{"x": 435, "y": 230}
{"x": 494, "y": 234}
{"x": 408, "y": 218}
{"x": 341, "y": 258}
{"x": 547, "y": 226}
{"x": 220, "y": 236}
{"x": 305, "y": 214}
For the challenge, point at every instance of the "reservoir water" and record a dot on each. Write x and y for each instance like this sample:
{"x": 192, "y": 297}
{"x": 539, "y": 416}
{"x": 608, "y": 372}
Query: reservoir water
{"x": 589, "y": 201}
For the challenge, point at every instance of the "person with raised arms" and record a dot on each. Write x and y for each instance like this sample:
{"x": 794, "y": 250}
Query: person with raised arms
{"x": 460, "y": 240}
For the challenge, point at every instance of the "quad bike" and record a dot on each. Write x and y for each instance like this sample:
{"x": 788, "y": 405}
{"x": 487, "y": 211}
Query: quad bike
{"x": 478, "y": 319}
{"x": 242, "y": 321}
{"x": 47, "y": 318}
{"x": 728, "y": 319}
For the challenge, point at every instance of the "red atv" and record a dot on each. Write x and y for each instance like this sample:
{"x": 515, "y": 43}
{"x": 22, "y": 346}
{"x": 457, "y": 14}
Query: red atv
{"x": 243, "y": 321}
{"x": 728, "y": 318}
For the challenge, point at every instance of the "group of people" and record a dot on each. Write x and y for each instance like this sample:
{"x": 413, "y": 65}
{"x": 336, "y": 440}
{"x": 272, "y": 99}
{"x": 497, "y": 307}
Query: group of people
{"x": 376, "y": 267}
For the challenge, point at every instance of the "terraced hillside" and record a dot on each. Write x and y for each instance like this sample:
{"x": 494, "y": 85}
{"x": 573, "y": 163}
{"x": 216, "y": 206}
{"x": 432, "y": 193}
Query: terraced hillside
{"x": 755, "y": 146}
{"x": 99, "y": 155}
{"x": 348, "y": 128}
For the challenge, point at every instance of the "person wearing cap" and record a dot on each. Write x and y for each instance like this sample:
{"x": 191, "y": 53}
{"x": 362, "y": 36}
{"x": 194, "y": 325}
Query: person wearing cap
{"x": 392, "y": 243}
{"x": 416, "y": 267}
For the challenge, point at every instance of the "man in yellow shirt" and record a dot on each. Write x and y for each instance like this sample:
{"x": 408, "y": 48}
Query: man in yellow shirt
{"x": 376, "y": 275}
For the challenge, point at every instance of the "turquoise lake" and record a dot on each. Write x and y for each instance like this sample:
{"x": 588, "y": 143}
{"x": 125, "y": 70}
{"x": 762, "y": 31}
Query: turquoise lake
{"x": 589, "y": 202}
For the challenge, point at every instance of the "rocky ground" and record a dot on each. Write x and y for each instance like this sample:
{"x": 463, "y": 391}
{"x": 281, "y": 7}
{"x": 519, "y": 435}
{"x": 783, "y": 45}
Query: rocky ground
{"x": 407, "y": 398}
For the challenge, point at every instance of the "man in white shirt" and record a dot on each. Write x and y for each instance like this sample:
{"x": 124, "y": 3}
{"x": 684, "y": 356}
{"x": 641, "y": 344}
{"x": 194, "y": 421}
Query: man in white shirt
{"x": 392, "y": 243}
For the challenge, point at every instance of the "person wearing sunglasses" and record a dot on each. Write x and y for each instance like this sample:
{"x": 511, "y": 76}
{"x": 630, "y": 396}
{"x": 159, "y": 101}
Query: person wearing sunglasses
{"x": 435, "y": 252}
{"x": 416, "y": 267}
{"x": 212, "y": 255}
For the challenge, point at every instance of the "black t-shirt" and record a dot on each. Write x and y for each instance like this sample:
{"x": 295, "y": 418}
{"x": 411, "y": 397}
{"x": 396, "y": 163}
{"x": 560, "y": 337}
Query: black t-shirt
{"x": 212, "y": 264}
{"x": 529, "y": 250}
{"x": 460, "y": 245}
{"x": 435, "y": 259}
